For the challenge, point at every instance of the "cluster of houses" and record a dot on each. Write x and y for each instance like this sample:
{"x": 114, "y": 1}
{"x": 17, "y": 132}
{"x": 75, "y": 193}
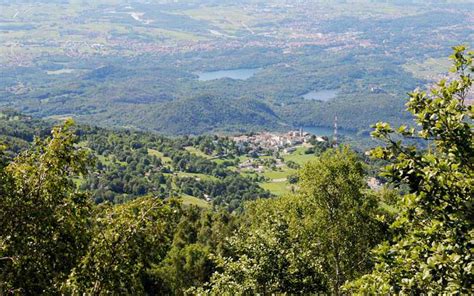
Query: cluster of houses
{"x": 250, "y": 164}
{"x": 266, "y": 143}
{"x": 286, "y": 142}
{"x": 258, "y": 166}
{"x": 271, "y": 141}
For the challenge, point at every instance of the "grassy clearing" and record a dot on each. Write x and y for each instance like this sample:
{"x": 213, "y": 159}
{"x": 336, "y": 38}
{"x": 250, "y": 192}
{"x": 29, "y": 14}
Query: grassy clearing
{"x": 107, "y": 161}
{"x": 159, "y": 155}
{"x": 428, "y": 69}
{"x": 243, "y": 158}
{"x": 299, "y": 156}
{"x": 191, "y": 200}
{"x": 277, "y": 188}
{"x": 219, "y": 161}
{"x": 278, "y": 174}
{"x": 249, "y": 174}
{"x": 197, "y": 152}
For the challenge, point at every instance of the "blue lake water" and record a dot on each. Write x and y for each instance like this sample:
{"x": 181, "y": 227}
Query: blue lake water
{"x": 321, "y": 95}
{"x": 240, "y": 74}
{"x": 61, "y": 71}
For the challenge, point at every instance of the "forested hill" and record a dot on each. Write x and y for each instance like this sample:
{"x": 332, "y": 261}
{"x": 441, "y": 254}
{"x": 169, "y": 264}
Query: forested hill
{"x": 202, "y": 114}
{"x": 128, "y": 164}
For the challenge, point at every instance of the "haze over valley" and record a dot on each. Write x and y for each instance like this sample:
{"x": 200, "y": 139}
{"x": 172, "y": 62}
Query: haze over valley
{"x": 192, "y": 67}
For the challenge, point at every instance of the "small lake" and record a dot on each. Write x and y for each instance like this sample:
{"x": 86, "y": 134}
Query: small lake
{"x": 61, "y": 71}
{"x": 240, "y": 74}
{"x": 321, "y": 95}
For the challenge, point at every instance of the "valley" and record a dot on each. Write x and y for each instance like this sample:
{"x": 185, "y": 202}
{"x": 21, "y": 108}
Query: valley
{"x": 236, "y": 147}
{"x": 207, "y": 171}
{"x": 143, "y": 65}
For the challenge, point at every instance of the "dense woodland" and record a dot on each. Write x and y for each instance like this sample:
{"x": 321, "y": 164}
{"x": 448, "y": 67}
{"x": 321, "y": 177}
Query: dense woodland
{"x": 92, "y": 211}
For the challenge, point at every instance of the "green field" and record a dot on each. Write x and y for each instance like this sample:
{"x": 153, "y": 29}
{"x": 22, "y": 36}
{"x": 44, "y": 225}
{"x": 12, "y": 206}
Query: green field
{"x": 107, "y": 161}
{"x": 159, "y": 155}
{"x": 191, "y": 200}
{"x": 277, "y": 188}
{"x": 285, "y": 172}
{"x": 429, "y": 68}
{"x": 299, "y": 156}
{"x": 197, "y": 152}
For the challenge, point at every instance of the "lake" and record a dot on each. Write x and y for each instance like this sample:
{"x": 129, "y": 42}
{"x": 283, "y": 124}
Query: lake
{"x": 321, "y": 95}
{"x": 241, "y": 74}
{"x": 61, "y": 71}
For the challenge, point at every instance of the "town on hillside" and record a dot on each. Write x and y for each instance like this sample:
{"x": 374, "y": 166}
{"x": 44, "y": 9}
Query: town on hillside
{"x": 276, "y": 142}
{"x": 282, "y": 145}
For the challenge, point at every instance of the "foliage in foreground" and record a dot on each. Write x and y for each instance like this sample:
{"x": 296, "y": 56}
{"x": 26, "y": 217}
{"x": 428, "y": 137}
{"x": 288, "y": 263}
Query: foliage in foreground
{"x": 44, "y": 229}
{"x": 309, "y": 242}
{"x": 432, "y": 249}
{"x": 56, "y": 241}
{"x": 127, "y": 240}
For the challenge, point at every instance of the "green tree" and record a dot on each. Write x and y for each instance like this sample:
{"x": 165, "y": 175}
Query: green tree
{"x": 267, "y": 259}
{"x": 184, "y": 267}
{"x": 431, "y": 251}
{"x": 345, "y": 227}
{"x": 127, "y": 240}
{"x": 198, "y": 235}
{"x": 44, "y": 224}
{"x": 309, "y": 242}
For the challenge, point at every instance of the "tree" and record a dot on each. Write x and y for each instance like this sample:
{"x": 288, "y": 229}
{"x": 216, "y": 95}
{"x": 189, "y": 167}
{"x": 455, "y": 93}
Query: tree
{"x": 127, "y": 240}
{"x": 431, "y": 251}
{"x": 188, "y": 263}
{"x": 184, "y": 267}
{"x": 345, "y": 227}
{"x": 309, "y": 242}
{"x": 45, "y": 223}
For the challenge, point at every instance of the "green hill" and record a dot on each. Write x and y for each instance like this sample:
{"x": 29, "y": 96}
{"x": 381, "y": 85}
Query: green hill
{"x": 208, "y": 113}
